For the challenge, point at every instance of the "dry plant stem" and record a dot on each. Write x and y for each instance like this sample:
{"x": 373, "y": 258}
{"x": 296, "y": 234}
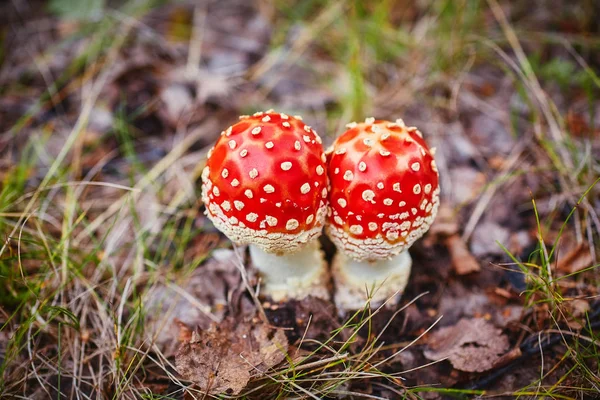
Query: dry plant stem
{"x": 294, "y": 275}
{"x": 377, "y": 280}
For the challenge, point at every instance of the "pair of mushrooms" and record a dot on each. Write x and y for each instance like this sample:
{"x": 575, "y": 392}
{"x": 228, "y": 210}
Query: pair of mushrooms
{"x": 269, "y": 183}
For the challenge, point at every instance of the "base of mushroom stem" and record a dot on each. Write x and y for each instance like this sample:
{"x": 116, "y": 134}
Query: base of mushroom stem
{"x": 292, "y": 276}
{"x": 379, "y": 280}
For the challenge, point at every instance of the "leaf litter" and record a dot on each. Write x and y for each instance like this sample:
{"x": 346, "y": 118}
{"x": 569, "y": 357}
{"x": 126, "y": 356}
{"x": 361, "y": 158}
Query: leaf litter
{"x": 225, "y": 357}
{"x": 472, "y": 345}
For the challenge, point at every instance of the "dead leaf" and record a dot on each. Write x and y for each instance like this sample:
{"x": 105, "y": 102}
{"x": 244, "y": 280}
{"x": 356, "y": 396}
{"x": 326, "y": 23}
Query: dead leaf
{"x": 467, "y": 184}
{"x": 472, "y": 345}
{"x": 486, "y": 237}
{"x": 224, "y": 358}
{"x": 576, "y": 310}
{"x": 463, "y": 261}
{"x": 576, "y": 259}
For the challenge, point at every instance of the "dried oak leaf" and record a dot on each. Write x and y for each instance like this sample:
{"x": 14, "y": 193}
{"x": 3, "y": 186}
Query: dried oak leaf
{"x": 463, "y": 261}
{"x": 224, "y": 358}
{"x": 472, "y": 345}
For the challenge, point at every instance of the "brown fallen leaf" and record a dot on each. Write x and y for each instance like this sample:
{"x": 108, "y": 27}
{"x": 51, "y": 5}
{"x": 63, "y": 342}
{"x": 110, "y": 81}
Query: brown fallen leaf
{"x": 463, "y": 261}
{"x": 576, "y": 259}
{"x": 472, "y": 345}
{"x": 224, "y": 358}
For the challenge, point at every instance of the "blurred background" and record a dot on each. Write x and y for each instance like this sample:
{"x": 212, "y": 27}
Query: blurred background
{"x": 107, "y": 111}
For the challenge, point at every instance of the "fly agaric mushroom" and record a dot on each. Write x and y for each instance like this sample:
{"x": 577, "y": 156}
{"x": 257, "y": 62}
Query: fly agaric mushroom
{"x": 384, "y": 195}
{"x": 265, "y": 184}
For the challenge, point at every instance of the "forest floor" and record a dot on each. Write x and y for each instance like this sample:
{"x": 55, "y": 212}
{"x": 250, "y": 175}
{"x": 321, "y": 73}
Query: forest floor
{"x": 113, "y": 283}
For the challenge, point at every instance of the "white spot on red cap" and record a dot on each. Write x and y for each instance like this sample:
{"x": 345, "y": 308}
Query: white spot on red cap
{"x": 271, "y": 221}
{"x": 286, "y": 165}
{"x": 305, "y": 188}
{"x": 368, "y": 195}
{"x": 342, "y": 202}
{"x": 388, "y": 202}
{"x": 226, "y": 205}
{"x": 251, "y": 217}
{"x": 266, "y": 118}
{"x": 415, "y": 166}
{"x": 248, "y": 193}
{"x": 239, "y": 205}
{"x": 369, "y": 120}
{"x": 362, "y": 166}
{"x": 232, "y": 144}
{"x": 348, "y": 175}
{"x": 256, "y": 130}
{"x": 428, "y": 188}
{"x": 243, "y": 153}
{"x": 297, "y": 145}
{"x": 310, "y": 219}
{"x": 286, "y": 124}
{"x": 372, "y": 226}
{"x": 417, "y": 189}
{"x": 351, "y": 125}
{"x": 216, "y": 191}
{"x": 269, "y": 145}
{"x": 391, "y": 235}
{"x": 235, "y": 183}
{"x": 291, "y": 224}
{"x": 384, "y": 153}
{"x": 225, "y": 173}
{"x": 320, "y": 170}
{"x": 253, "y": 173}
{"x": 341, "y": 150}
{"x": 269, "y": 188}
{"x": 356, "y": 229}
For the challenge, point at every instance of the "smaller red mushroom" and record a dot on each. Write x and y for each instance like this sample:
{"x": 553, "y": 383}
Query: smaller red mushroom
{"x": 384, "y": 196}
{"x": 265, "y": 184}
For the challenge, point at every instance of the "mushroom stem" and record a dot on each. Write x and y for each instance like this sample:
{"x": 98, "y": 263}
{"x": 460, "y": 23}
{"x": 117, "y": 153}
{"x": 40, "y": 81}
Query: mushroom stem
{"x": 294, "y": 275}
{"x": 357, "y": 281}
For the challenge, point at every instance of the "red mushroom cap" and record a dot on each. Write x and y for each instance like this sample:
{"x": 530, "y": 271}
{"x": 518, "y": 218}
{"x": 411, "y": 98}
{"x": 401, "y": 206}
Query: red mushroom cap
{"x": 265, "y": 182}
{"x": 384, "y": 189}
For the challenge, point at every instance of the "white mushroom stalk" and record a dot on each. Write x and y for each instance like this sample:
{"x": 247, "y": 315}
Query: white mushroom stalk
{"x": 265, "y": 184}
{"x": 384, "y": 196}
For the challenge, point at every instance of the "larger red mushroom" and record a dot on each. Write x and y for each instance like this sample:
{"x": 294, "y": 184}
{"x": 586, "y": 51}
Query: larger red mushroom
{"x": 384, "y": 196}
{"x": 265, "y": 184}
